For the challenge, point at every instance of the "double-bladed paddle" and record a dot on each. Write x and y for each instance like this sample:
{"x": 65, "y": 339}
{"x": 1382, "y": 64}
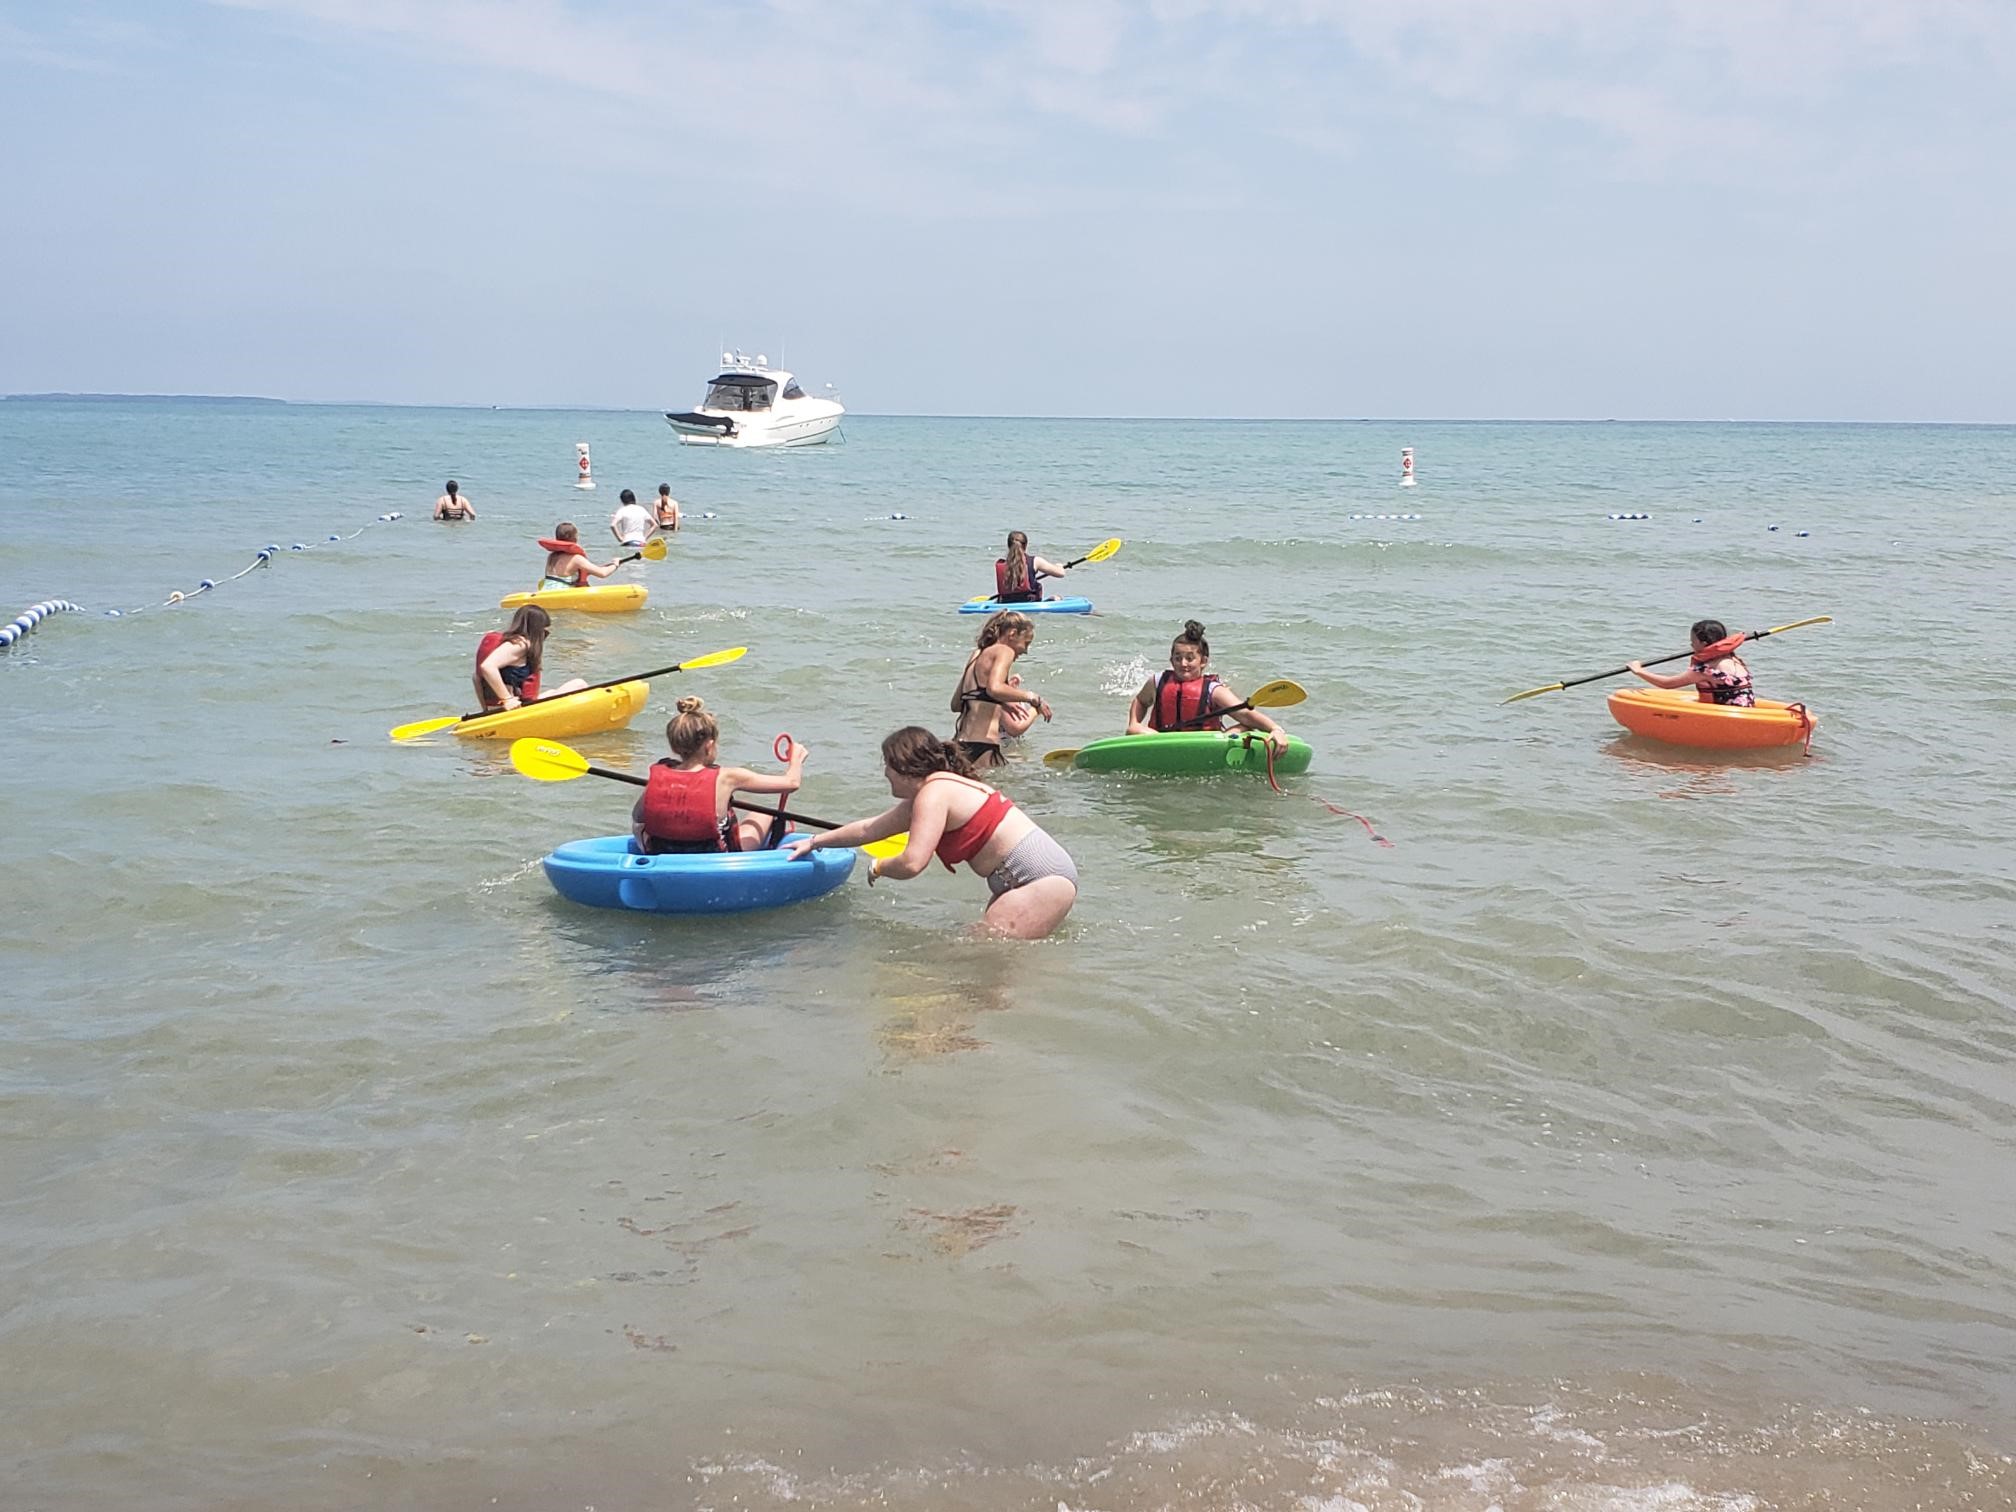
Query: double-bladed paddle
{"x": 1576, "y": 682}
{"x": 691, "y": 664}
{"x": 1282, "y": 693}
{"x": 550, "y": 761}
{"x": 1099, "y": 553}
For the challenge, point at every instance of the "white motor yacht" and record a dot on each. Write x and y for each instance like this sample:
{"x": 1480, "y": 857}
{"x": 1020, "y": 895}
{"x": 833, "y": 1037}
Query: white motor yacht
{"x": 753, "y": 404}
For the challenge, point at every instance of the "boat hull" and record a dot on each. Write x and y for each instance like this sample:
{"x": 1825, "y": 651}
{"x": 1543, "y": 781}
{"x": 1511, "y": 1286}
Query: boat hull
{"x": 1676, "y": 716}
{"x": 802, "y": 430}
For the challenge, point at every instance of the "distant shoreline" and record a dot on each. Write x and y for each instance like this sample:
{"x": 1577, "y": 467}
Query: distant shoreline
{"x": 594, "y": 409}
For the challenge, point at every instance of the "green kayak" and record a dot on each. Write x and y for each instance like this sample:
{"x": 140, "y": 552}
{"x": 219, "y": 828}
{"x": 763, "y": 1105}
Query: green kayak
{"x": 1191, "y": 753}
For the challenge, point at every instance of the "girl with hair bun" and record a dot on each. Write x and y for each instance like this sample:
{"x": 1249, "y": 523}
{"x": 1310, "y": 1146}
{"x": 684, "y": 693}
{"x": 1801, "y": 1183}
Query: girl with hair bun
{"x": 687, "y": 802}
{"x": 1716, "y": 673}
{"x": 1190, "y": 697}
{"x": 952, "y": 813}
{"x": 990, "y": 700}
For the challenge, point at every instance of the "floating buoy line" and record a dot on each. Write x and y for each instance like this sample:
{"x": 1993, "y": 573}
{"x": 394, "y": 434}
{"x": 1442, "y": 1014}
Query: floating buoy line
{"x": 32, "y": 616}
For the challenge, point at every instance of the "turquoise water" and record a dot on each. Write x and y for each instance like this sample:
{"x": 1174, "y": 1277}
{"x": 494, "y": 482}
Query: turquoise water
{"x": 1634, "y": 1132}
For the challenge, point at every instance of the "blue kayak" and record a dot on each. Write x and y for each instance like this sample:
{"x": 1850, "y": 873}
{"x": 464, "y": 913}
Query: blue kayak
{"x": 1041, "y": 606}
{"x": 610, "y": 872}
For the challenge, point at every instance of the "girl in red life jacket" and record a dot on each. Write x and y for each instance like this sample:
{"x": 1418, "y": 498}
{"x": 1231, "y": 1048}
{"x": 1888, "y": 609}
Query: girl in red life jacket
{"x": 685, "y": 803}
{"x": 951, "y": 813}
{"x": 1018, "y": 575}
{"x": 1715, "y": 671}
{"x": 1189, "y": 697}
{"x": 567, "y": 564}
{"x": 507, "y": 662}
{"x": 989, "y": 700}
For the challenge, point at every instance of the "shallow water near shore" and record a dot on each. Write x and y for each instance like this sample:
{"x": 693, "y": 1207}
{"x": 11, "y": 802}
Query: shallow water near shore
{"x": 1634, "y": 1132}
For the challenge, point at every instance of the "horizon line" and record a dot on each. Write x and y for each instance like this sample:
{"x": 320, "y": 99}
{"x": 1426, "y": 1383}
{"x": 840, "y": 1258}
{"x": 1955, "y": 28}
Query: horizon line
{"x": 58, "y": 396}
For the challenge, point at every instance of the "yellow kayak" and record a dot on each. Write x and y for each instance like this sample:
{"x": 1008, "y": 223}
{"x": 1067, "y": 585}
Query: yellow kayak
{"x": 614, "y": 598}
{"x": 587, "y": 712}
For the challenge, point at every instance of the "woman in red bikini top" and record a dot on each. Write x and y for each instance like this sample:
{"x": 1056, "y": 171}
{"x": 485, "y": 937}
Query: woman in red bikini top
{"x": 1715, "y": 671}
{"x": 950, "y": 813}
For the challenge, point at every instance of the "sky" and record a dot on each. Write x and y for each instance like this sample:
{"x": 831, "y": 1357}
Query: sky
{"x": 1680, "y": 209}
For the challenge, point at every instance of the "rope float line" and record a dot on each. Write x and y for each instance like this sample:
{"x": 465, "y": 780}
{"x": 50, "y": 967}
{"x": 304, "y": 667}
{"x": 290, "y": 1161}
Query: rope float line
{"x": 32, "y": 616}
{"x": 261, "y": 558}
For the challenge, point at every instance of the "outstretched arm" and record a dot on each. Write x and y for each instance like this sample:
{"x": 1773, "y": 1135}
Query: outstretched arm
{"x": 890, "y": 821}
{"x": 1688, "y": 679}
{"x": 746, "y": 780}
{"x": 1043, "y": 568}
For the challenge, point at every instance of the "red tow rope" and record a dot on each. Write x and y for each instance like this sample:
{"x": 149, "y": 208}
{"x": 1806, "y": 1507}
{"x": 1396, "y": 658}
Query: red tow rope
{"x": 781, "y": 748}
{"x": 1805, "y": 724}
{"x": 1342, "y": 813}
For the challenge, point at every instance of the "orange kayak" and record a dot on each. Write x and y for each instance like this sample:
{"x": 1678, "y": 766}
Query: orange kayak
{"x": 1678, "y": 717}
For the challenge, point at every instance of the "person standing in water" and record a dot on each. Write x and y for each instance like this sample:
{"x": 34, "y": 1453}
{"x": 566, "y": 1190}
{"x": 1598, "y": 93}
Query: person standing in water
{"x": 1191, "y": 697}
{"x": 988, "y": 698}
{"x": 632, "y": 524}
{"x": 951, "y": 813}
{"x": 668, "y": 509}
{"x": 452, "y": 506}
{"x": 1017, "y": 575}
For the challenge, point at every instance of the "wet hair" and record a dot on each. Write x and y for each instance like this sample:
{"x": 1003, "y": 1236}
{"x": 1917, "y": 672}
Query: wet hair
{"x": 1017, "y": 561}
{"x": 1192, "y": 634}
{"x": 566, "y": 531}
{"x": 451, "y": 488}
{"x": 530, "y": 625}
{"x": 664, "y": 490}
{"x": 1710, "y": 631}
{"x": 914, "y": 751}
{"x": 1002, "y": 625}
{"x": 688, "y": 731}
{"x": 626, "y": 497}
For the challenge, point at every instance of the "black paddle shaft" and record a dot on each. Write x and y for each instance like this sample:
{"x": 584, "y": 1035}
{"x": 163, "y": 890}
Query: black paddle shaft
{"x": 1659, "y": 662}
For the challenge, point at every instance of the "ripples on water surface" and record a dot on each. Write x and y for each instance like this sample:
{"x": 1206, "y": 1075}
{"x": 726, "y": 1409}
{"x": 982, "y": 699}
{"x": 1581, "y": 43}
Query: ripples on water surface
{"x": 1634, "y": 1133}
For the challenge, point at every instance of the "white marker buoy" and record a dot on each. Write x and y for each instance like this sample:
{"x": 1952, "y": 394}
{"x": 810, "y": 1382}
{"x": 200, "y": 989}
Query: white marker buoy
{"x": 1406, "y": 467}
{"x": 584, "y": 477}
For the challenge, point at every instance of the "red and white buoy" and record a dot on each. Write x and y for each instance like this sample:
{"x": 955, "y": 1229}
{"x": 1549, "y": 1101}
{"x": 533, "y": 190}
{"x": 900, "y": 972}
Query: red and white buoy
{"x": 584, "y": 478}
{"x": 1406, "y": 467}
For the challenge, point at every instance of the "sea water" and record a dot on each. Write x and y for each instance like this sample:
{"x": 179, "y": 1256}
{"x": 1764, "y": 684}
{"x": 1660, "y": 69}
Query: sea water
{"x": 1633, "y": 1132}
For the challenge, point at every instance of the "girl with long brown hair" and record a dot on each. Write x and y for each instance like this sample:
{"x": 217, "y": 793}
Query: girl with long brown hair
{"x": 948, "y": 811}
{"x": 508, "y": 662}
{"x": 1018, "y": 575}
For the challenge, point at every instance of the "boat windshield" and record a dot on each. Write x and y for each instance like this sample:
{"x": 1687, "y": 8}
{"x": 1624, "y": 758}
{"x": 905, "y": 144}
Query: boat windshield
{"x": 739, "y": 391}
{"x": 792, "y": 391}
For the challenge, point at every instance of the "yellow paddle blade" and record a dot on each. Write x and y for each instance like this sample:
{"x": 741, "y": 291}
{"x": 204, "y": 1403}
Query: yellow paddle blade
{"x": 548, "y": 760}
{"x": 1062, "y": 758}
{"x": 1534, "y": 693}
{"x": 1104, "y": 550}
{"x": 711, "y": 659}
{"x": 1818, "y": 619}
{"x": 653, "y": 550}
{"x": 882, "y": 850}
{"x": 424, "y": 727}
{"x": 1282, "y": 693}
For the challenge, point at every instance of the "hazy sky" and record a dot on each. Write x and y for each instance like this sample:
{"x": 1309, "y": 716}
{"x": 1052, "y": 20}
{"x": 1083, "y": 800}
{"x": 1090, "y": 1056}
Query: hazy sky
{"x": 1678, "y": 208}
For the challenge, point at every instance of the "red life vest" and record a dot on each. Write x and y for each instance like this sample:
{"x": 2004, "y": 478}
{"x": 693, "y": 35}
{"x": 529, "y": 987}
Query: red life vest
{"x": 520, "y": 681}
{"x": 1170, "y": 713}
{"x": 564, "y": 549}
{"x": 1027, "y": 592}
{"x": 679, "y": 807}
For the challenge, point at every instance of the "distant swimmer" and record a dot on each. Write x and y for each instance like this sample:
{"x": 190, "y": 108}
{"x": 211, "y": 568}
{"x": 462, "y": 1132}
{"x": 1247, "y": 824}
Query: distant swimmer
{"x": 452, "y": 506}
{"x": 632, "y": 524}
{"x": 990, "y": 702}
{"x": 685, "y": 807}
{"x": 1018, "y": 575}
{"x": 1191, "y": 697}
{"x": 1715, "y": 671}
{"x": 507, "y": 662}
{"x": 567, "y": 564}
{"x": 668, "y": 509}
{"x": 952, "y": 813}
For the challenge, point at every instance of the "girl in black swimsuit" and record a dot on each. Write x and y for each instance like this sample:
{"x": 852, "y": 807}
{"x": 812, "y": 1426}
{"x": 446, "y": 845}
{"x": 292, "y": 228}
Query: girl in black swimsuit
{"x": 989, "y": 700}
